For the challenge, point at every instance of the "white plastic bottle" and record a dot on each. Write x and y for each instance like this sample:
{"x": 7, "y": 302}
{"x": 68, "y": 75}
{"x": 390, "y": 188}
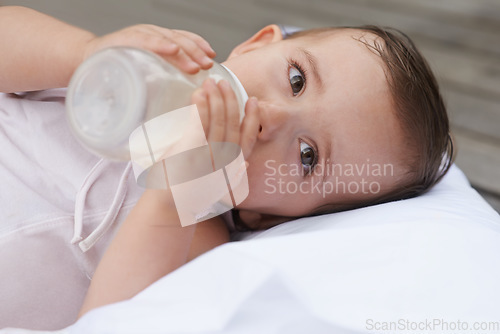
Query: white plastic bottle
{"x": 118, "y": 89}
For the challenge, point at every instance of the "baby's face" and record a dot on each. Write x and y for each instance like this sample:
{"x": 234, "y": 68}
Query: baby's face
{"x": 329, "y": 132}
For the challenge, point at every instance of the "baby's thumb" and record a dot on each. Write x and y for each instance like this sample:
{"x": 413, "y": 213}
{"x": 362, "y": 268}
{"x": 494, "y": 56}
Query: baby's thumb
{"x": 250, "y": 127}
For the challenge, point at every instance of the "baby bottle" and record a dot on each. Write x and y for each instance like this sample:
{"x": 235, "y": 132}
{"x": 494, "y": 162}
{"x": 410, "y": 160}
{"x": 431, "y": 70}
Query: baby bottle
{"x": 129, "y": 104}
{"x": 118, "y": 89}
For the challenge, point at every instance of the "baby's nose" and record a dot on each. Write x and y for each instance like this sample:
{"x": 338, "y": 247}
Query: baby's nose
{"x": 273, "y": 118}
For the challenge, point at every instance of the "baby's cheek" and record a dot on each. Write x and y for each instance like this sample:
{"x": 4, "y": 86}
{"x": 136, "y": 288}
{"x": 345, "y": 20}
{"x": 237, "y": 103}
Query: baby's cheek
{"x": 259, "y": 192}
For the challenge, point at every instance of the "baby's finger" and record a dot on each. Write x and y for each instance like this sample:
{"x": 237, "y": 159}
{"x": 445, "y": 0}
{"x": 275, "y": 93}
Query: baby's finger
{"x": 199, "y": 98}
{"x": 175, "y": 33}
{"x": 148, "y": 37}
{"x": 232, "y": 133}
{"x": 192, "y": 49}
{"x": 161, "y": 45}
{"x": 202, "y": 43}
{"x": 250, "y": 127}
{"x": 217, "y": 111}
{"x": 182, "y": 61}
{"x": 158, "y": 39}
{"x": 162, "y": 42}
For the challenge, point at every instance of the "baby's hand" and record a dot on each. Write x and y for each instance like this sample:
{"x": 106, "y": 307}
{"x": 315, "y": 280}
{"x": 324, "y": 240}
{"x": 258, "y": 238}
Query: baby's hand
{"x": 183, "y": 49}
{"x": 219, "y": 113}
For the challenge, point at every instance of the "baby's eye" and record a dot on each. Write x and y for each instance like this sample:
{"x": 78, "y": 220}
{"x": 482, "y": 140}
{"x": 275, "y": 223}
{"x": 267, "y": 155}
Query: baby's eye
{"x": 308, "y": 157}
{"x": 297, "y": 79}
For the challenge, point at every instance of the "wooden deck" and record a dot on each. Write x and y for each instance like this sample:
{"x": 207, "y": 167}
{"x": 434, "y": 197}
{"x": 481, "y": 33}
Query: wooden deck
{"x": 461, "y": 39}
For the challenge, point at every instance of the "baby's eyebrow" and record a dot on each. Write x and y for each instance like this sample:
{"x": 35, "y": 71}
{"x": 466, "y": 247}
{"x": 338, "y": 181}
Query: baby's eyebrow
{"x": 313, "y": 65}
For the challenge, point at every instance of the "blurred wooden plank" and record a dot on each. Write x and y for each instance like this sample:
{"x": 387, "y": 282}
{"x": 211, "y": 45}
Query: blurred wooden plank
{"x": 371, "y": 11}
{"x": 479, "y": 158}
{"x": 479, "y": 14}
{"x": 492, "y": 199}
{"x": 479, "y": 75}
{"x": 473, "y": 113}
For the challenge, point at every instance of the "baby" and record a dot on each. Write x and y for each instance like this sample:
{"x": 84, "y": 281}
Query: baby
{"x": 338, "y": 118}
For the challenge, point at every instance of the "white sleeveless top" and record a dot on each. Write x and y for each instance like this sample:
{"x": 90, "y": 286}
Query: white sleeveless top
{"x": 59, "y": 208}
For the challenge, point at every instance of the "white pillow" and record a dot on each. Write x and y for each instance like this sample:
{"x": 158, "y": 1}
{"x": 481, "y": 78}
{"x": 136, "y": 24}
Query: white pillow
{"x": 427, "y": 263}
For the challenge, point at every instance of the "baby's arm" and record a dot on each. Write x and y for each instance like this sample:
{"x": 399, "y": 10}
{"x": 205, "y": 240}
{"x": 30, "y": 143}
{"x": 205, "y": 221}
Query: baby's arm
{"x": 151, "y": 242}
{"x": 38, "y": 51}
{"x": 41, "y": 52}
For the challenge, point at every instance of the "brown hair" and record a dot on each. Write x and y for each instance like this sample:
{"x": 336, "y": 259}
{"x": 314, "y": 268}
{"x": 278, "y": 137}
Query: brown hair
{"x": 419, "y": 107}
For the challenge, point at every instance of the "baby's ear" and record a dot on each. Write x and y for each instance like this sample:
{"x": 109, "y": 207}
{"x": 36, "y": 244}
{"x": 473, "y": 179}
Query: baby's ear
{"x": 268, "y": 34}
